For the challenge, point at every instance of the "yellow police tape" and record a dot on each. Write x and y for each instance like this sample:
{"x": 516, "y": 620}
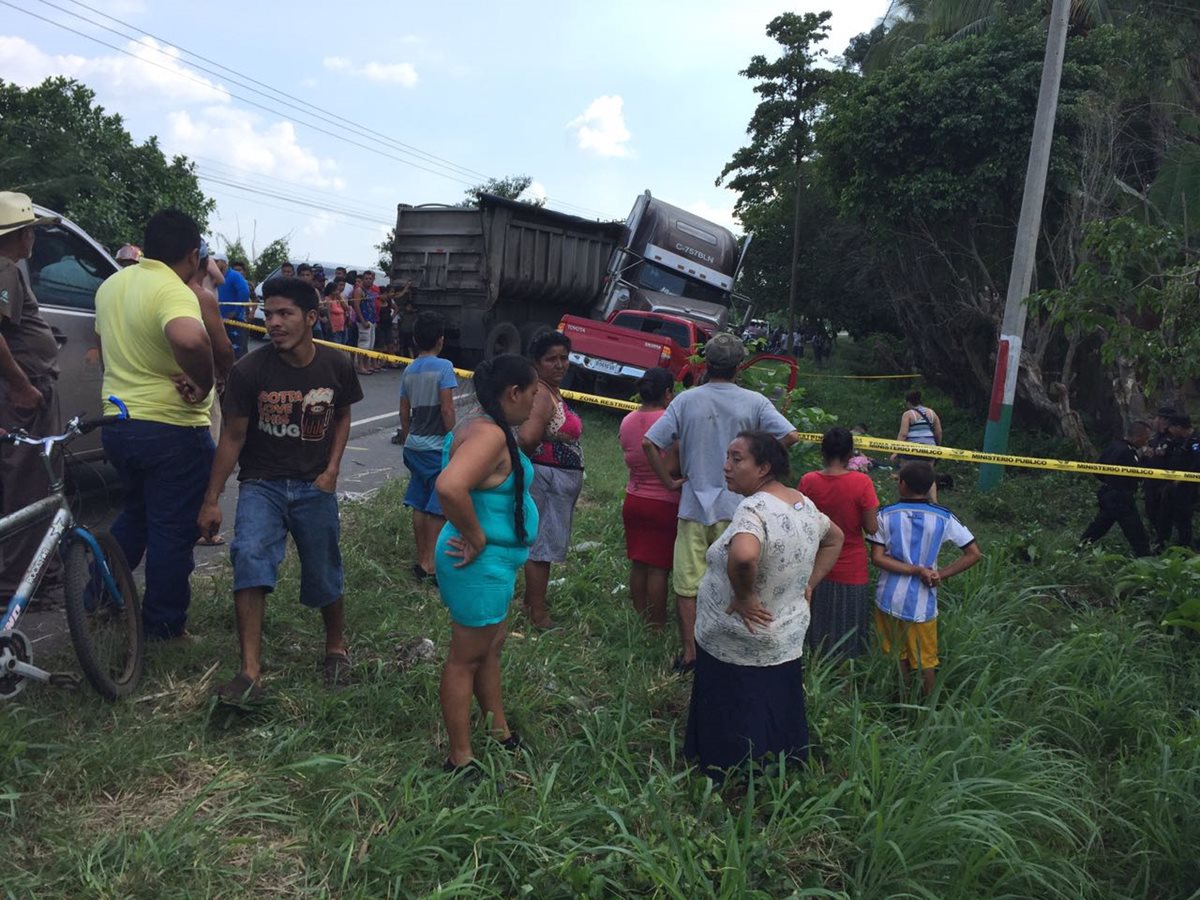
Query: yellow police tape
{"x": 862, "y": 377}
{"x": 860, "y": 442}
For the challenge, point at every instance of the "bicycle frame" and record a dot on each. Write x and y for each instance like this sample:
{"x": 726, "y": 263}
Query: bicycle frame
{"x": 60, "y": 521}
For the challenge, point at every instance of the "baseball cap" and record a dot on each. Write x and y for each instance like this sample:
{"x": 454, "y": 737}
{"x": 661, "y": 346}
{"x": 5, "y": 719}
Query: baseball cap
{"x": 221, "y": 257}
{"x": 1166, "y": 411}
{"x": 724, "y": 350}
{"x": 1181, "y": 421}
{"x": 129, "y": 251}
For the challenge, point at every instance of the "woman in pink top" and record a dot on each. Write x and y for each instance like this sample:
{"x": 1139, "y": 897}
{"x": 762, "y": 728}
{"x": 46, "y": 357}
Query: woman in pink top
{"x": 650, "y": 510}
{"x": 841, "y": 603}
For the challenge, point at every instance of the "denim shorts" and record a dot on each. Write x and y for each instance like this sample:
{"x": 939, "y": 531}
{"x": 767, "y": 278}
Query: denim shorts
{"x": 424, "y": 466}
{"x": 267, "y": 510}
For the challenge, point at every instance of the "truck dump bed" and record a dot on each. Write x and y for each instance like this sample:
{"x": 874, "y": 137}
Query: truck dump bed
{"x": 505, "y": 261}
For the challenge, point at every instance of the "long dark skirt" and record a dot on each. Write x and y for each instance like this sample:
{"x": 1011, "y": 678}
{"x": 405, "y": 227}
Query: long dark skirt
{"x": 841, "y": 619}
{"x": 745, "y": 712}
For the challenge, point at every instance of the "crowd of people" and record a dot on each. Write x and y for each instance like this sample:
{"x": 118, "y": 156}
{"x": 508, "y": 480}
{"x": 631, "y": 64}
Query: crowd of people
{"x": 353, "y": 310}
{"x": 764, "y": 567}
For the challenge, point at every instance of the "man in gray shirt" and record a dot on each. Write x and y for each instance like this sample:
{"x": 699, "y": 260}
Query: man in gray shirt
{"x": 704, "y": 421}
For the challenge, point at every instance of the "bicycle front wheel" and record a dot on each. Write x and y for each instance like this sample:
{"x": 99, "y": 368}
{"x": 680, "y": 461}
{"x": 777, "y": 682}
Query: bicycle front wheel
{"x": 106, "y": 628}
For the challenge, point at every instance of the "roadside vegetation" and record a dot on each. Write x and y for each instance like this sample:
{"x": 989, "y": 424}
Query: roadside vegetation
{"x": 1061, "y": 757}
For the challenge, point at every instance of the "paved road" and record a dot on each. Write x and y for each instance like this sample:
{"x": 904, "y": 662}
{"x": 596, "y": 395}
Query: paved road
{"x": 370, "y": 460}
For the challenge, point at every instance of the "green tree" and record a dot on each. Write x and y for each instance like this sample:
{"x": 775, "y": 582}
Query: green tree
{"x": 63, "y": 150}
{"x": 511, "y": 188}
{"x": 929, "y": 153}
{"x": 781, "y": 129}
{"x": 259, "y": 264}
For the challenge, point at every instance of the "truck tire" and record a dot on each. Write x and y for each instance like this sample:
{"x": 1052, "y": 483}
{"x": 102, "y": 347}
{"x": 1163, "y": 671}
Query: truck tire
{"x": 531, "y": 331}
{"x": 503, "y": 338}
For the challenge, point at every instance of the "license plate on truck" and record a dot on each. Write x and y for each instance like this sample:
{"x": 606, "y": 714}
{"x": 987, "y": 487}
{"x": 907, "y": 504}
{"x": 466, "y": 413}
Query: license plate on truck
{"x": 606, "y": 366}
{"x": 592, "y": 364}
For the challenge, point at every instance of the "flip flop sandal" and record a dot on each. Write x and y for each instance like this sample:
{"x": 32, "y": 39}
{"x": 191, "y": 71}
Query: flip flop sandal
{"x": 241, "y": 691}
{"x": 336, "y": 670}
{"x": 420, "y": 574}
{"x": 215, "y": 541}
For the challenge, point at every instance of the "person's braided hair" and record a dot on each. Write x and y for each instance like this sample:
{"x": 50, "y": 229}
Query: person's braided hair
{"x": 492, "y": 377}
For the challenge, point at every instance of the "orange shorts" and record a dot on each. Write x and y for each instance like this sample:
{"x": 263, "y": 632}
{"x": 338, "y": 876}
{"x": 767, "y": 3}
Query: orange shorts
{"x": 918, "y": 641}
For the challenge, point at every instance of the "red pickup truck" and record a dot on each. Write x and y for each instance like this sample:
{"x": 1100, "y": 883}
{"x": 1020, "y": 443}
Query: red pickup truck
{"x": 622, "y": 348}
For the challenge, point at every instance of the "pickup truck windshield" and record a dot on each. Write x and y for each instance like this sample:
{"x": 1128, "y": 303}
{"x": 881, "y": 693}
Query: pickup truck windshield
{"x": 665, "y": 281}
{"x": 676, "y": 331}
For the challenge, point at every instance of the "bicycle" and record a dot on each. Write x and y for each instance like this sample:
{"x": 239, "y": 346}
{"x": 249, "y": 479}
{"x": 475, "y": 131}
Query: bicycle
{"x": 104, "y": 613}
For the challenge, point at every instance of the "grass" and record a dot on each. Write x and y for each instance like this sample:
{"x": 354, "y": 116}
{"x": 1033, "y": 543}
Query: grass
{"x": 1060, "y": 759}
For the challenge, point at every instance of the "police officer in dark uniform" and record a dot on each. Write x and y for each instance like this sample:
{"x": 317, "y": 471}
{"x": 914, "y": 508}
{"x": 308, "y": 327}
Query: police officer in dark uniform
{"x": 1179, "y": 498}
{"x": 1117, "y": 495}
{"x": 1154, "y": 490}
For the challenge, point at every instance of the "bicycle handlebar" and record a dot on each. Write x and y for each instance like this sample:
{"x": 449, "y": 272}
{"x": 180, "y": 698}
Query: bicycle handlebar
{"x": 75, "y": 426}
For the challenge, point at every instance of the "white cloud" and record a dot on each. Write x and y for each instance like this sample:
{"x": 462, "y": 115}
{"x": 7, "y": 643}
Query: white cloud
{"x": 394, "y": 73}
{"x": 536, "y": 192}
{"x": 242, "y": 140}
{"x": 601, "y": 129}
{"x": 403, "y": 73}
{"x": 148, "y": 69}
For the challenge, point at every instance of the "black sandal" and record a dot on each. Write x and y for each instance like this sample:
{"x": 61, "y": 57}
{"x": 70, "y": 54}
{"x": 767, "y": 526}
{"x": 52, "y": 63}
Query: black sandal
{"x": 241, "y": 691}
{"x": 679, "y": 667}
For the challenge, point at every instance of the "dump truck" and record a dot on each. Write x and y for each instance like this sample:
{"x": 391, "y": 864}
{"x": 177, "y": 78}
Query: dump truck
{"x": 505, "y": 271}
{"x": 502, "y": 273}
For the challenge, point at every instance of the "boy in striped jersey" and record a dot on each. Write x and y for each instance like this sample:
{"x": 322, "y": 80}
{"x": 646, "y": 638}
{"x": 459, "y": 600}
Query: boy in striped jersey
{"x": 905, "y": 549}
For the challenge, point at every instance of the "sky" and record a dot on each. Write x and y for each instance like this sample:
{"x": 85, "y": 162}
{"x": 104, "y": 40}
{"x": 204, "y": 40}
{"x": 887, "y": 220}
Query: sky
{"x": 314, "y": 127}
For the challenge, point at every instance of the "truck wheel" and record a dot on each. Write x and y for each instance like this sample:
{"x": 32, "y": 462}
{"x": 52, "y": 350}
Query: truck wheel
{"x": 503, "y": 338}
{"x": 531, "y": 331}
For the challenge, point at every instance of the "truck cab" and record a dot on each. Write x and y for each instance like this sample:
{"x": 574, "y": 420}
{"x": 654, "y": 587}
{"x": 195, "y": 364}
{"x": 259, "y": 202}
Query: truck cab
{"x": 674, "y": 262}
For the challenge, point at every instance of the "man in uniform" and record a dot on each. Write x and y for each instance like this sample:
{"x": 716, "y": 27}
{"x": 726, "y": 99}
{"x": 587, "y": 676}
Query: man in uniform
{"x": 28, "y": 400}
{"x": 1179, "y": 497}
{"x": 1117, "y": 493}
{"x": 1154, "y": 490}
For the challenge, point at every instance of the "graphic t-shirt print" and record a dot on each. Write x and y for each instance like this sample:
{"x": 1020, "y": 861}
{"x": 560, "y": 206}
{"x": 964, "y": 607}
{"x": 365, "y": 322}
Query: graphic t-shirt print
{"x": 277, "y": 413}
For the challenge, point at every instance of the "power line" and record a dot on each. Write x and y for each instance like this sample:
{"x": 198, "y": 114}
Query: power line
{"x": 286, "y": 198}
{"x": 241, "y": 78}
{"x": 349, "y": 204}
{"x": 253, "y": 103}
{"x": 230, "y": 170}
{"x": 305, "y": 111}
{"x": 348, "y": 221}
{"x": 305, "y": 107}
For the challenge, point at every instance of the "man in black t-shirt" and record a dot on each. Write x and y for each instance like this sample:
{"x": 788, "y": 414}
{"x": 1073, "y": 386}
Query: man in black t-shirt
{"x": 1117, "y": 494}
{"x": 287, "y": 420}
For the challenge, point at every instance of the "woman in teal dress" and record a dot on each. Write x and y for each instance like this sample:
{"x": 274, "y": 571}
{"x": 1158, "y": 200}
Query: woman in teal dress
{"x": 490, "y": 523}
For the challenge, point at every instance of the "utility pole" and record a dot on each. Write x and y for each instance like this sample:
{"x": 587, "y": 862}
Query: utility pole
{"x": 1012, "y": 329}
{"x": 791, "y": 341}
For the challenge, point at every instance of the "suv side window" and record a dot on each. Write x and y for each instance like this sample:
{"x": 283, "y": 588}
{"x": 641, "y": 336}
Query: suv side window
{"x": 65, "y": 270}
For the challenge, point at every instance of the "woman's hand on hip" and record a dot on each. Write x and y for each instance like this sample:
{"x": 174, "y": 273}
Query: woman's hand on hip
{"x": 750, "y": 611}
{"x": 460, "y": 548}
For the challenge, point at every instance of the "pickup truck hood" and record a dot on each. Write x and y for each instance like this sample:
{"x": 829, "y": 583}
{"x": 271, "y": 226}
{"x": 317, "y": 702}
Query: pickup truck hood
{"x": 700, "y": 310}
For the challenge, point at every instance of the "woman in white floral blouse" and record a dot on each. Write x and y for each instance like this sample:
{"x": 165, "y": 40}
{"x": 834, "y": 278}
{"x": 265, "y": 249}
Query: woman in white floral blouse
{"x": 752, "y": 613}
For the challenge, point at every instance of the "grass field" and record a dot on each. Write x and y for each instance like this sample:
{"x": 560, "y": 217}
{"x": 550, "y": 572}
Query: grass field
{"x": 1061, "y": 757}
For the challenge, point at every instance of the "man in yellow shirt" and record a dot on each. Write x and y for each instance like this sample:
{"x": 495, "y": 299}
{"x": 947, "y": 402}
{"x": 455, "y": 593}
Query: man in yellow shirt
{"x": 158, "y": 360}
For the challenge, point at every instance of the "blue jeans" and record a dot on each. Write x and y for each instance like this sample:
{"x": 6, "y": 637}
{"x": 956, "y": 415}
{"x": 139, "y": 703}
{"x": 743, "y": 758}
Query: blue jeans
{"x": 267, "y": 510}
{"x": 164, "y": 469}
{"x": 239, "y": 337}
